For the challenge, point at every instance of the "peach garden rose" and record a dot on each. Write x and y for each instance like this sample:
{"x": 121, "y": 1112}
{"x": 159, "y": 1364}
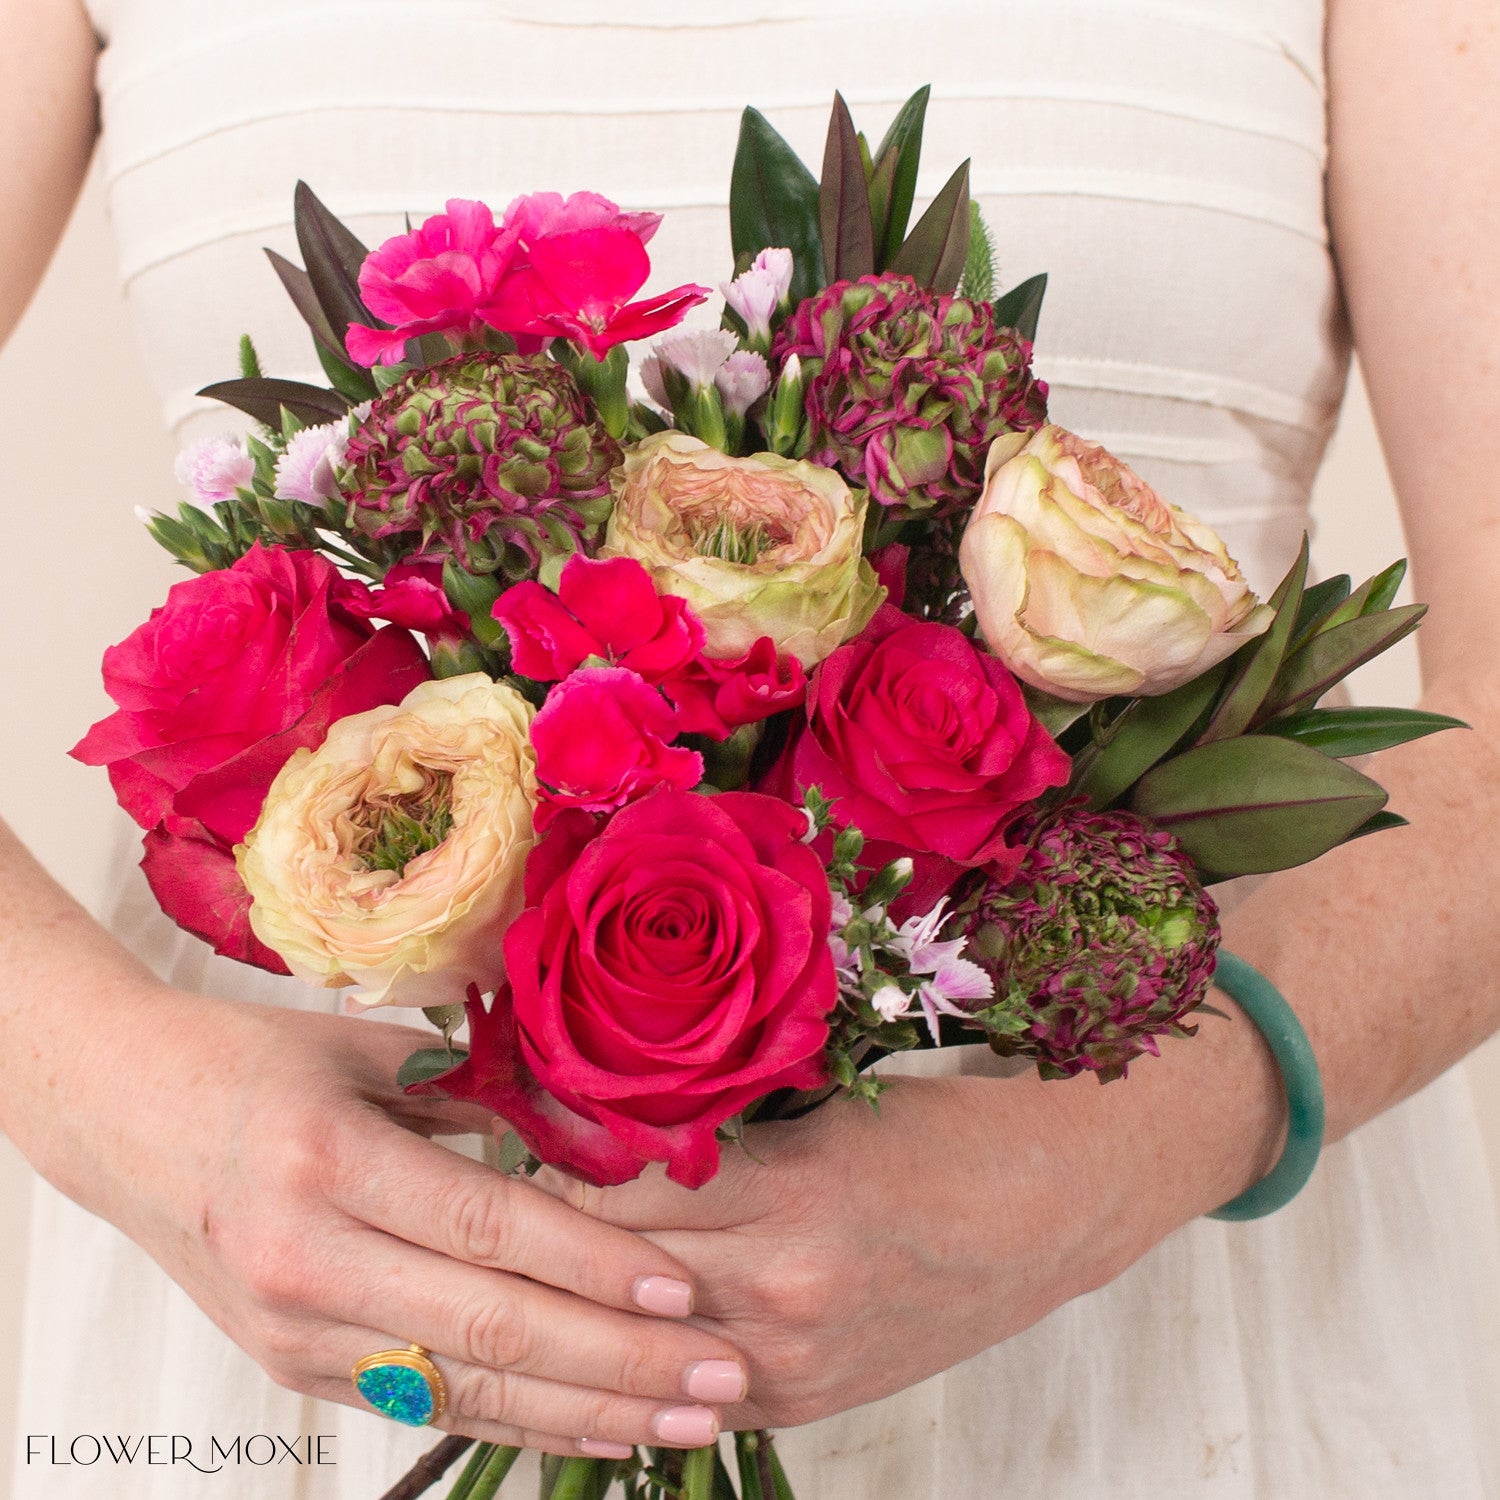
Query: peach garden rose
{"x": 391, "y": 857}
{"x": 1087, "y": 584}
{"x": 760, "y": 546}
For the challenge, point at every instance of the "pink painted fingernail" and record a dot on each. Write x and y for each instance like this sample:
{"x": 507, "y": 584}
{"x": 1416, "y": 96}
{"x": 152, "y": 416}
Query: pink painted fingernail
{"x": 663, "y": 1295}
{"x": 598, "y": 1448}
{"x": 715, "y": 1380}
{"x": 686, "y": 1426}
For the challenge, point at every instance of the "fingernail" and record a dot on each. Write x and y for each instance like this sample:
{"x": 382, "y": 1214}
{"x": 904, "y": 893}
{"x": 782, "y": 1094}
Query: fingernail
{"x": 598, "y": 1448}
{"x": 663, "y": 1295}
{"x": 716, "y": 1381}
{"x": 686, "y": 1426}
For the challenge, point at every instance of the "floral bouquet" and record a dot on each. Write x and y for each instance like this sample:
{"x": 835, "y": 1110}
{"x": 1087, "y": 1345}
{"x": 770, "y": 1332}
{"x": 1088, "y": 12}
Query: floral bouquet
{"x": 682, "y": 754}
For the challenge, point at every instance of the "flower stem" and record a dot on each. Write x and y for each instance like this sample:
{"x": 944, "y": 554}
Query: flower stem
{"x": 698, "y": 1473}
{"x": 485, "y": 1481}
{"x": 579, "y": 1479}
{"x": 428, "y": 1469}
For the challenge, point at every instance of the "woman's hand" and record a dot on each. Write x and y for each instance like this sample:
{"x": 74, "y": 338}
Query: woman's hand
{"x": 267, "y": 1160}
{"x": 852, "y": 1253}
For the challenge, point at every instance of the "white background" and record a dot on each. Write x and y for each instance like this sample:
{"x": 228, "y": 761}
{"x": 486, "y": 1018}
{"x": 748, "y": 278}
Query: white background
{"x": 82, "y": 447}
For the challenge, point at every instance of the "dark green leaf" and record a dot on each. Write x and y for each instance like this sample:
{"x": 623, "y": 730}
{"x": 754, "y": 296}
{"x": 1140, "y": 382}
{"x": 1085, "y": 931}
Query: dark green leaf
{"x": 428, "y": 1063}
{"x": 902, "y": 146}
{"x": 1333, "y": 654}
{"x": 844, "y": 202}
{"x": 1254, "y": 666}
{"x": 1378, "y": 824}
{"x": 348, "y": 380}
{"x": 1319, "y": 601}
{"x": 263, "y": 400}
{"x": 882, "y": 179}
{"x": 773, "y": 201}
{"x": 1377, "y": 594}
{"x": 933, "y": 253}
{"x": 333, "y": 256}
{"x": 1021, "y": 306}
{"x": 299, "y": 288}
{"x": 1141, "y": 736}
{"x": 1257, "y": 803}
{"x": 1053, "y": 714}
{"x": 1343, "y": 732}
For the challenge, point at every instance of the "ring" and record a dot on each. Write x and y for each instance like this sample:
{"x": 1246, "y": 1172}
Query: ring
{"x": 402, "y": 1384}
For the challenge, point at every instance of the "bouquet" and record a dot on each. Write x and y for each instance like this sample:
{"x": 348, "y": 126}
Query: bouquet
{"x": 683, "y": 749}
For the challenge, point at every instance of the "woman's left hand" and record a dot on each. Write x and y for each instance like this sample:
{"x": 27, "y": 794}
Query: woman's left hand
{"x": 852, "y": 1252}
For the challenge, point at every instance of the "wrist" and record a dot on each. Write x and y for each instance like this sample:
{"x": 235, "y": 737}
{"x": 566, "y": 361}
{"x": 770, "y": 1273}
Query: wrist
{"x": 1176, "y": 1138}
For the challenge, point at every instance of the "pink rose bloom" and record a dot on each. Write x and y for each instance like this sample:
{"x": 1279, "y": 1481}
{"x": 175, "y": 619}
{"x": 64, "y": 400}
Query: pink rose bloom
{"x": 670, "y": 970}
{"x": 715, "y": 696}
{"x": 602, "y": 739}
{"x": 924, "y": 742}
{"x": 608, "y": 609}
{"x": 237, "y": 669}
{"x": 431, "y": 280}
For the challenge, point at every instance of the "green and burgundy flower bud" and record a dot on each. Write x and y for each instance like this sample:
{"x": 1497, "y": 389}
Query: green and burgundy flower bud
{"x": 907, "y": 389}
{"x": 1101, "y": 943}
{"x": 491, "y": 458}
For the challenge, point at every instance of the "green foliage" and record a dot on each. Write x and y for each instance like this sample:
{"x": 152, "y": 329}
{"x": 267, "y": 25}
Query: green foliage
{"x": 845, "y": 217}
{"x": 1255, "y": 804}
{"x": 978, "y": 279}
{"x": 1021, "y": 307}
{"x": 428, "y": 1063}
{"x": 935, "y": 251}
{"x": 773, "y": 201}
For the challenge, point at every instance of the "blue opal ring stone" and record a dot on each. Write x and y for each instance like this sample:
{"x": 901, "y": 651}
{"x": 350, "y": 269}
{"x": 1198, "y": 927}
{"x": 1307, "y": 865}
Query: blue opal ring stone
{"x": 402, "y": 1384}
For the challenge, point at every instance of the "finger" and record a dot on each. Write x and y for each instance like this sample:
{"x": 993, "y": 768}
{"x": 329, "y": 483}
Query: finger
{"x": 478, "y": 1395}
{"x": 506, "y": 1322}
{"x": 738, "y": 1194}
{"x": 428, "y": 1195}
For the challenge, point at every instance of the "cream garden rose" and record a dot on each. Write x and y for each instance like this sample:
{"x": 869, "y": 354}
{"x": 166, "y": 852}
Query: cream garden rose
{"x": 1087, "y": 584}
{"x": 392, "y": 856}
{"x": 761, "y": 546}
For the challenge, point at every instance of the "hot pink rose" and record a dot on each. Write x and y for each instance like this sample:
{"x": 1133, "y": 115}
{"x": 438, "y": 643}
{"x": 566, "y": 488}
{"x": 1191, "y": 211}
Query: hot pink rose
{"x": 669, "y": 971}
{"x": 431, "y": 280}
{"x": 234, "y": 672}
{"x": 609, "y": 609}
{"x": 715, "y": 696}
{"x": 602, "y": 739}
{"x": 924, "y": 742}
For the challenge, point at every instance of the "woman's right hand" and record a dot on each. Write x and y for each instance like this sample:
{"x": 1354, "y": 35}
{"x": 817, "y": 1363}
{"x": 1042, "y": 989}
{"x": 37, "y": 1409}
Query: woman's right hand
{"x": 268, "y": 1161}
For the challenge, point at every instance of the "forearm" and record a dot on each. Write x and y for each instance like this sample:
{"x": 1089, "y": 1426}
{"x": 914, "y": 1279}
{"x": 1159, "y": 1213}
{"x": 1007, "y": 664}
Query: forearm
{"x": 1386, "y": 949}
{"x": 64, "y": 976}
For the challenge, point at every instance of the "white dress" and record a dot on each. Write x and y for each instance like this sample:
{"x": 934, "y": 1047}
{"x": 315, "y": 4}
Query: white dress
{"x": 1163, "y": 160}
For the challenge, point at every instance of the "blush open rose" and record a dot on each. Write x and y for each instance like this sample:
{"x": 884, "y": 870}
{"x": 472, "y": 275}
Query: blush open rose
{"x": 667, "y": 972}
{"x": 760, "y": 546}
{"x": 392, "y": 856}
{"x": 1087, "y": 584}
{"x": 924, "y": 742}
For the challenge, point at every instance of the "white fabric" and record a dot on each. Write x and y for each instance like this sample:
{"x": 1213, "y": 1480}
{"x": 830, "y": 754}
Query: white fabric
{"x": 1163, "y": 160}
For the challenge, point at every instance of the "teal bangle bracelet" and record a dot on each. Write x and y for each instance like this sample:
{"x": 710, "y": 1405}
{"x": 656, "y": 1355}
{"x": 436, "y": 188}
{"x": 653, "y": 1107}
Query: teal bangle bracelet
{"x": 1278, "y": 1023}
